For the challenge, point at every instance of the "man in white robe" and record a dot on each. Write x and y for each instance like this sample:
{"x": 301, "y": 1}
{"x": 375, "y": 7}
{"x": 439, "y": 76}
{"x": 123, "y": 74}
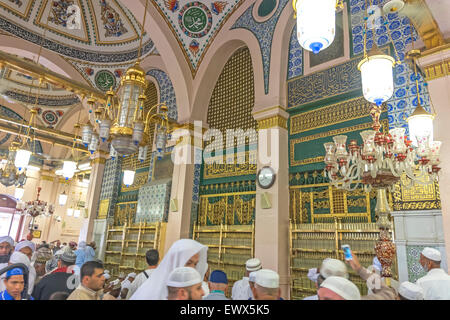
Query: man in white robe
{"x": 183, "y": 253}
{"x": 152, "y": 258}
{"x": 126, "y": 285}
{"x": 436, "y": 284}
{"x": 241, "y": 288}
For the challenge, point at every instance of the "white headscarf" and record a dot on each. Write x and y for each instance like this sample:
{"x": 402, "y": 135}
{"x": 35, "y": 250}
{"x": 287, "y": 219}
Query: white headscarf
{"x": 19, "y": 257}
{"x": 82, "y": 245}
{"x": 24, "y": 244}
{"x": 7, "y": 239}
{"x": 155, "y": 287}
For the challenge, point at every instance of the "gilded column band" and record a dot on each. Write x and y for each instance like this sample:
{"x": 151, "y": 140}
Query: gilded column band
{"x": 272, "y": 122}
{"x": 437, "y": 70}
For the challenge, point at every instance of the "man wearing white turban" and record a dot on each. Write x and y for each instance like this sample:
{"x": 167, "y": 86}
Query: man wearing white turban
{"x": 26, "y": 247}
{"x": 19, "y": 257}
{"x": 6, "y": 249}
{"x": 183, "y": 253}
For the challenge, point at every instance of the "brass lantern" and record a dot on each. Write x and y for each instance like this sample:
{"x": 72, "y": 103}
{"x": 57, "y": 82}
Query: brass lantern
{"x": 125, "y": 117}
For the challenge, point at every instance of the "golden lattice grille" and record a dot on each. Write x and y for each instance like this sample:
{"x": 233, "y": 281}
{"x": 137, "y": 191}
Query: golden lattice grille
{"x": 152, "y": 99}
{"x": 338, "y": 201}
{"x": 233, "y": 99}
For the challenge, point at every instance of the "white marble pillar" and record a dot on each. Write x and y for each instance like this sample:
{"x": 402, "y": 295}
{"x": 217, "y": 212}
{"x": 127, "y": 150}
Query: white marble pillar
{"x": 272, "y": 224}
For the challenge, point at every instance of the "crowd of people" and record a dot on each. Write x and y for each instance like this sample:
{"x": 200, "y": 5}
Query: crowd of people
{"x": 71, "y": 272}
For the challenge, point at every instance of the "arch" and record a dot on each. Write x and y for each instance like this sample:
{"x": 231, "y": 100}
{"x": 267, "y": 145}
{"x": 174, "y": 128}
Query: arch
{"x": 215, "y": 59}
{"x": 171, "y": 54}
{"x": 279, "y": 61}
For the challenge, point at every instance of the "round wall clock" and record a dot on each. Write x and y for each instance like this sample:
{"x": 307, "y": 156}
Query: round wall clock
{"x": 266, "y": 177}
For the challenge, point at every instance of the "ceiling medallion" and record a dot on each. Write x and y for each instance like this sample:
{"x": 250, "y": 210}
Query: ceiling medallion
{"x": 104, "y": 80}
{"x": 195, "y": 19}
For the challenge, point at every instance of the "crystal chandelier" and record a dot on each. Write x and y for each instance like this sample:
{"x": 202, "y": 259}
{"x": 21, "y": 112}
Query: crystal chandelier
{"x": 10, "y": 175}
{"x": 316, "y": 23}
{"x": 35, "y": 208}
{"x": 126, "y": 124}
{"x": 383, "y": 158}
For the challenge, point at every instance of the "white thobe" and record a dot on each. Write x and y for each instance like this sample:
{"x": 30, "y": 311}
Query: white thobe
{"x": 316, "y": 297}
{"x": 435, "y": 285}
{"x": 140, "y": 279}
{"x": 241, "y": 290}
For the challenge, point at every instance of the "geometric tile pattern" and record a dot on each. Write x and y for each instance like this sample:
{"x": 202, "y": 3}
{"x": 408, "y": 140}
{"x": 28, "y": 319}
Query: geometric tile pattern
{"x": 295, "y": 64}
{"x": 166, "y": 91}
{"x": 153, "y": 202}
{"x": 263, "y": 32}
{"x": 111, "y": 183}
{"x": 415, "y": 270}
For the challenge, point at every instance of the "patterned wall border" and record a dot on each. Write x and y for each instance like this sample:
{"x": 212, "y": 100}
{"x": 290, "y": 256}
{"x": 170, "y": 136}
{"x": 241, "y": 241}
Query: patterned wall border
{"x": 263, "y": 31}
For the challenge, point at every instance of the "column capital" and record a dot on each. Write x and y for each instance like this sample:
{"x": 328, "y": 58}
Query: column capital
{"x": 195, "y": 137}
{"x": 271, "y": 117}
{"x": 435, "y": 62}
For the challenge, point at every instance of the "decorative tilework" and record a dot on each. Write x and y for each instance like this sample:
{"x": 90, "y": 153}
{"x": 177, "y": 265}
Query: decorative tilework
{"x": 263, "y": 32}
{"x": 111, "y": 183}
{"x": 69, "y": 51}
{"x": 295, "y": 63}
{"x": 166, "y": 91}
{"x": 415, "y": 270}
{"x": 43, "y": 101}
{"x": 153, "y": 201}
{"x": 195, "y": 192}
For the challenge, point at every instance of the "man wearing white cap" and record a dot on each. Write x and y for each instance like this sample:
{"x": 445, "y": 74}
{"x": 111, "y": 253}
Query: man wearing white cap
{"x": 338, "y": 288}
{"x": 330, "y": 267}
{"x": 241, "y": 288}
{"x": 185, "y": 283}
{"x": 126, "y": 285}
{"x": 436, "y": 284}
{"x": 267, "y": 285}
{"x": 410, "y": 291}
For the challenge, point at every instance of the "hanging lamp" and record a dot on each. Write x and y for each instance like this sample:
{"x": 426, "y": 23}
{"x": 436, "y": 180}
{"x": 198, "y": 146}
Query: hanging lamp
{"x": 376, "y": 71}
{"x": 420, "y": 122}
{"x": 316, "y": 23}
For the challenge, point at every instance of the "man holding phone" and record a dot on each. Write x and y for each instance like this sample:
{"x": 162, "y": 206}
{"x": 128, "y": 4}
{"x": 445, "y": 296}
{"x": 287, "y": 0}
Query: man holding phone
{"x": 381, "y": 290}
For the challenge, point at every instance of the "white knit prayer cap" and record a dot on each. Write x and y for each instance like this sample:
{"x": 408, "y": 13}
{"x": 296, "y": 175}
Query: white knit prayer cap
{"x": 333, "y": 267}
{"x": 253, "y": 264}
{"x": 431, "y": 254}
{"x": 410, "y": 291}
{"x": 267, "y": 278}
{"x": 132, "y": 275}
{"x": 25, "y": 243}
{"x": 343, "y": 287}
{"x": 183, "y": 277}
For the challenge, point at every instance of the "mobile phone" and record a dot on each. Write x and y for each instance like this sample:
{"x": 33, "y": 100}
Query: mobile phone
{"x": 347, "y": 252}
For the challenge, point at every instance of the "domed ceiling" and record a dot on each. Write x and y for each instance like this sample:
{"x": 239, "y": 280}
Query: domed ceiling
{"x": 100, "y": 38}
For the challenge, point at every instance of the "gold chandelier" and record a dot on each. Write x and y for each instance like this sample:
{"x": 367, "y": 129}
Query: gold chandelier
{"x": 126, "y": 124}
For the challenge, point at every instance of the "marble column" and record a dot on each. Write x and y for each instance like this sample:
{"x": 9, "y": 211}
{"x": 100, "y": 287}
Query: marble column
{"x": 187, "y": 157}
{"x": 93, "y": 196}
{"x": 272, "y": 224}
{"x": 436, "y": 66}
